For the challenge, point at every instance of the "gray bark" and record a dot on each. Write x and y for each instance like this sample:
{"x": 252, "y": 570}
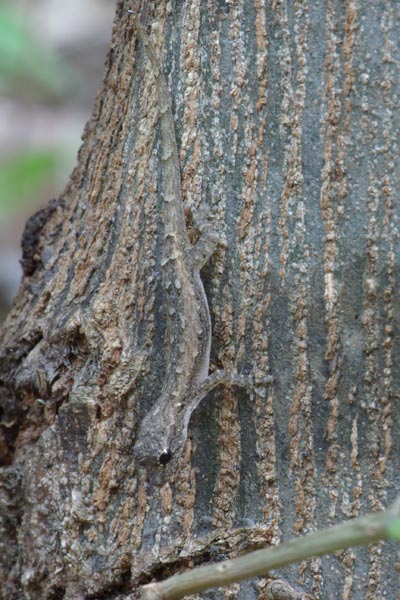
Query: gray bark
{"x": 287, "y": 123}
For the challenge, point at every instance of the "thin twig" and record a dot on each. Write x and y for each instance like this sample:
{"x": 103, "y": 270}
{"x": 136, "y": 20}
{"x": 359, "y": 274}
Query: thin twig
{"x": 356, "y": 532}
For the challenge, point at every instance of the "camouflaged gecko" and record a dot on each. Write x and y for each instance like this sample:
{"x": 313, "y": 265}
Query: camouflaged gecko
{"x": 163, "y": 431}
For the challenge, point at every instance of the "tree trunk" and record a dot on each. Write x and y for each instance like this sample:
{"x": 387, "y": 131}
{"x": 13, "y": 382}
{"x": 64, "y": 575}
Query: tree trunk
{"x": 287, "y": 126}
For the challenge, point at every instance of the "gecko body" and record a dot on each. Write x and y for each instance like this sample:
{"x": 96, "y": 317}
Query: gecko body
{"x": 163, "y": 431}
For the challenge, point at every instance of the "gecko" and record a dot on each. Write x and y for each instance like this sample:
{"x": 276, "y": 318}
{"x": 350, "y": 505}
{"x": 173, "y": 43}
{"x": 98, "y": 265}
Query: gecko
{"x": 163, "y": 431}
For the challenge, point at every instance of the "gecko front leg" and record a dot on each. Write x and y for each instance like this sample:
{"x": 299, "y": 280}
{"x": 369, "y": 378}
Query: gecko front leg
{"x": 163, "y": 432}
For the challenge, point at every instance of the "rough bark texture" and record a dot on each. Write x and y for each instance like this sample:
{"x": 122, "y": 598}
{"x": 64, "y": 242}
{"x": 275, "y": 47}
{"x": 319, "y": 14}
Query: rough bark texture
{"x": 287, "y": 123}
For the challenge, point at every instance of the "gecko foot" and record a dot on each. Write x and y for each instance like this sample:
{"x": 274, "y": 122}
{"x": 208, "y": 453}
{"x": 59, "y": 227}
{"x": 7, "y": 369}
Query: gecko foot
{"x": 281, "y": 590}
{"x": 222, "y": 377}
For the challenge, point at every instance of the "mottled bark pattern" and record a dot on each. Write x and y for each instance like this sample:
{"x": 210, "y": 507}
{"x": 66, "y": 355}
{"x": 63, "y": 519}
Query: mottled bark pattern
{"x": 287, "y": 126}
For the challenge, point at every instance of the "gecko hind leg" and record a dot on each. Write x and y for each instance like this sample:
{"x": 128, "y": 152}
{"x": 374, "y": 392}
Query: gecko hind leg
{"x": 204, "y": 247}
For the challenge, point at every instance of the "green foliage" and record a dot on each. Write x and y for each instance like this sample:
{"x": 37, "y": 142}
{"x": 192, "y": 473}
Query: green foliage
{"x": 32, "y": 72}
{"x": 23, "y": 177}
{"x": 393, "y": 528}
{"x": 26, "y": 67}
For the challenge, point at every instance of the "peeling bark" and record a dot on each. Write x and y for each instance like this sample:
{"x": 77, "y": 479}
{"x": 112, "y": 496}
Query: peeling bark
{"x": 287, "y": 124}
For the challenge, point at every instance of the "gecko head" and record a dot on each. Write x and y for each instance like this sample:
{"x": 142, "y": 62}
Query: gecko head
{"x": 165, "y": 456}
{"x": 154, "y": 447}
{"x": 148, "y": 455}
{"x": 161, "y": 436}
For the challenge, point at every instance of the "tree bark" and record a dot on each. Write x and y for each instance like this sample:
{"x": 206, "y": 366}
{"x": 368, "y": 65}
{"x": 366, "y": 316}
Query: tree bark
{"x": 287, "y": 125}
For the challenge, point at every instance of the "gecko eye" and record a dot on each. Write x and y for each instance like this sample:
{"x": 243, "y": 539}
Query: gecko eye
{"x": 165, "y": 456}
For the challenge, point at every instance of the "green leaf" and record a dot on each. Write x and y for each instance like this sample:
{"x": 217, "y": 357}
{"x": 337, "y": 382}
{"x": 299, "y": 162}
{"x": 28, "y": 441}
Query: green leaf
{"x": 26, "y": 66}
{"x": 394, "y": 528}
{"x": 24, "y": 176}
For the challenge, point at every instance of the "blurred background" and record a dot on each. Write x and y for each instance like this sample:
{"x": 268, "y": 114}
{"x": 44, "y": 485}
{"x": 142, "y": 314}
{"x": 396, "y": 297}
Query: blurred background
{"x": 52, "y": 54}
